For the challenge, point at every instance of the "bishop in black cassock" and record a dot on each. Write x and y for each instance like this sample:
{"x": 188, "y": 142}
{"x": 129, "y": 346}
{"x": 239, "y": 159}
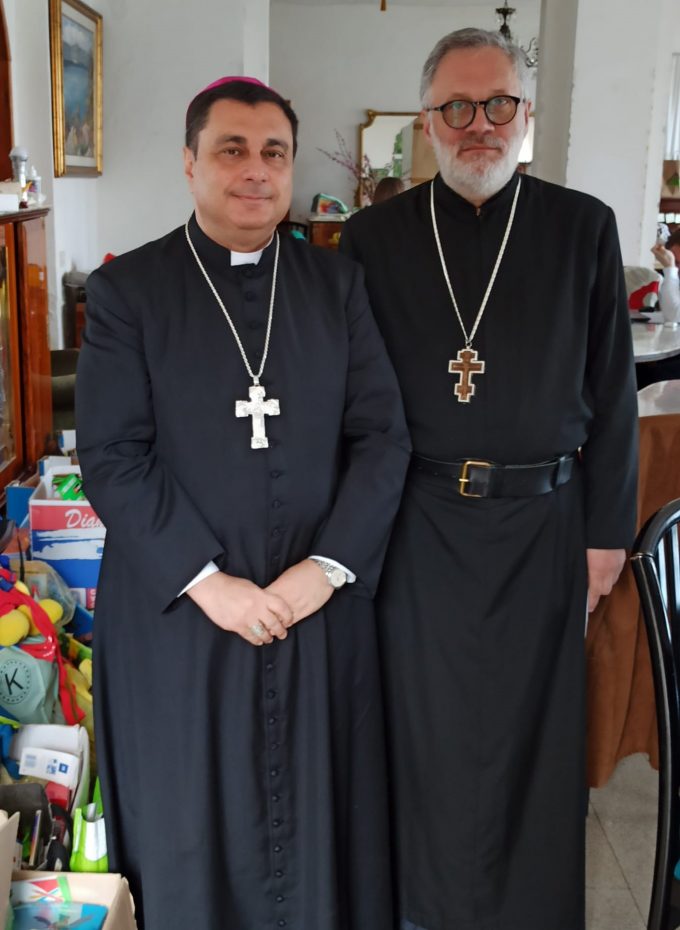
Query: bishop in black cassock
{"x": 244, "y": 787}
{"x": 482, "y": 605}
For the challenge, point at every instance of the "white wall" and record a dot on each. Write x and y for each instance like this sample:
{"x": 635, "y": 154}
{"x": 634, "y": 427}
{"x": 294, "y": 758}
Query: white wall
{"x": 622, "y": 72}
{"x": 555, "y": 85}
{"x": 336, "y": 61}
{"x": 157, "y": 55}
{"x": 27, "y": 27}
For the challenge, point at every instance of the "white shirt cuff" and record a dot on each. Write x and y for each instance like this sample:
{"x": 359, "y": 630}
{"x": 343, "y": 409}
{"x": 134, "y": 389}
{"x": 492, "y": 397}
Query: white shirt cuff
{"x": 351, "y": 577}
{"x": 671, "y": 272}
{"x": 205, "y": 572}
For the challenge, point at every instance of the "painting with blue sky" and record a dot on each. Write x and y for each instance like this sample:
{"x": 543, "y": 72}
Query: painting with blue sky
{"x": 78, "y": 88}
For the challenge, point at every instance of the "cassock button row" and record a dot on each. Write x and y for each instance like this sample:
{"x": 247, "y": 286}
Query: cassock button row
{"x": 274, "y": 773}
{"x": 278, "y": 849}
{"x": 274, "y": 746}
{"x": 276, "y": 531}
{"x": 269, "y": 666}
{"x": 275, "y": 474}
{"x": 271, "y": 721}
{"x": 278, "y": 873}
{"x": 271, "y": 693}
{"x": 276, "y": 797}
{"x": 282, "y": 923}
{"x": 276, "y": 504}
{"x": 277, "y": 822}
{"x": 280, "y": 898}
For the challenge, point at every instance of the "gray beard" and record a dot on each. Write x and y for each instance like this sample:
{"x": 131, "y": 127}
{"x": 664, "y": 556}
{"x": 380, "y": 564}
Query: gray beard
{"x": 467, "y": 180}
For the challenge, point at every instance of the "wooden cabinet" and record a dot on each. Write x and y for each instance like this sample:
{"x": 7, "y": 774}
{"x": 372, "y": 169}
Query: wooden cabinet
{"x": 325, "y": 233}
{"x": 25, "y": 377}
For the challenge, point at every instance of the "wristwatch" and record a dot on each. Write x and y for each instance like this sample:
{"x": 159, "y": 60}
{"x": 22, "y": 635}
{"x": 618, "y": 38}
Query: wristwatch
{"x": 336, "y": 576}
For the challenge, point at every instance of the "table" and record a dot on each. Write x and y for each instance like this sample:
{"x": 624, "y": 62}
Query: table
{"x": 621, "y": 705}
{"x": 653, "y": 341}
{"x": 659, "y": 398}
{"x": 326, "y": 232}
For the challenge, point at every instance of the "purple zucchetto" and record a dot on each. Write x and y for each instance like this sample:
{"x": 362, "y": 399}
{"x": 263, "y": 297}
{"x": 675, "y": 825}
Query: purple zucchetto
{"x": 228, "y": 80}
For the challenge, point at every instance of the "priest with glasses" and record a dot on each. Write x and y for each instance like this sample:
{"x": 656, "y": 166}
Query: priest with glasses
{"x": 503, "y": 307}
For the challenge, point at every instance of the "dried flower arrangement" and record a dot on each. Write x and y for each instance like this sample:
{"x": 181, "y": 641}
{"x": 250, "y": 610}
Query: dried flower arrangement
{"x": 362, "y": 173}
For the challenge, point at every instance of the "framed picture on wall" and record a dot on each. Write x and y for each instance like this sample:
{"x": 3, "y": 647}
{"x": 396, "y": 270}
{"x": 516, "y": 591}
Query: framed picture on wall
{"x": 76, "y": 52}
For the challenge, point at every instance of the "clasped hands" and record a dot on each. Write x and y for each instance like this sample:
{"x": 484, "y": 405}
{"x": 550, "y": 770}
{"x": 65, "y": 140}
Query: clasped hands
{"x": 240, "y": 606}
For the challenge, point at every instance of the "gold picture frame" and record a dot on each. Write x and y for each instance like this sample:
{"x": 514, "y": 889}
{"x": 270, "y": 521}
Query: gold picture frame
{"x": 76, "y": 60}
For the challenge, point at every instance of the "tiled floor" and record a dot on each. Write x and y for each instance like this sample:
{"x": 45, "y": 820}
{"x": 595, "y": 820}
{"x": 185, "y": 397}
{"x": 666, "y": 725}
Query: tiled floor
{"x": 621, "y": 834}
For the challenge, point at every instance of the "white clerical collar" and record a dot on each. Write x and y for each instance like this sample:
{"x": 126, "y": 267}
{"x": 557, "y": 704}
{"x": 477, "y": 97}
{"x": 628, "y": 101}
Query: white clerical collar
{"x": 248, "y": 258}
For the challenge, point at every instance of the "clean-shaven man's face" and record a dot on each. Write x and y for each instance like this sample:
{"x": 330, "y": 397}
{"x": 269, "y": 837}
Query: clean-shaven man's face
{"x": 241, "y": 176}
{"x": 479, "y": 160}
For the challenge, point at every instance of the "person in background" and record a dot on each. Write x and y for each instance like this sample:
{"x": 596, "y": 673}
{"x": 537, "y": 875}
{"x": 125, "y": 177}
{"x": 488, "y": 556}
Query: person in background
{"x": 386, "y": 188}
{"x": 668, "y": 256}
{"x": 242, "y": 437}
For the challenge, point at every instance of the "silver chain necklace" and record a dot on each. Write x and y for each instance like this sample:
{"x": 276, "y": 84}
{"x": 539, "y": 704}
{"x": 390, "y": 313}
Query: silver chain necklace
{"x": 257, "y": 407}
{"x": 467, "y": 362}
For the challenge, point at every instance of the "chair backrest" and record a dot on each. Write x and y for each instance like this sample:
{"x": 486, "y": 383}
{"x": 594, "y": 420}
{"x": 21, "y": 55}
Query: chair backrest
{"x": 656, "y": 567}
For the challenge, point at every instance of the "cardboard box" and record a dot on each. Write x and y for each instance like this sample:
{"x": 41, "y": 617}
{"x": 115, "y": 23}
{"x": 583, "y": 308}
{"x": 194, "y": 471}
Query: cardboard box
{"x": 108, "y": 889}
{"x": 66, "y": 440}
{"x": 68, "y": 535}
{"x": 18, "y": 494}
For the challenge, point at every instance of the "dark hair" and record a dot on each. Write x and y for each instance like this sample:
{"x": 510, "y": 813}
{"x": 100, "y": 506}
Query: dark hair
{"x": 244, "y": 92}
{"x": 386, "y": 188}
{"x": 673, "y": 239}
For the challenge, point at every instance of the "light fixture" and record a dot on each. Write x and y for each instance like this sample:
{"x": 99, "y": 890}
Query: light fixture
{"x": 531, "y": 52}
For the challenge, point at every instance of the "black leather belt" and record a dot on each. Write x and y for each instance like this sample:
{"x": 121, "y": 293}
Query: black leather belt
{"x": 476, "y": 478}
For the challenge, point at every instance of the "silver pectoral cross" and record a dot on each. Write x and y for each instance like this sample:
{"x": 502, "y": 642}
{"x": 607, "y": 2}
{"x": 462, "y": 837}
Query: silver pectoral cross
{"x": 257, "y": 408}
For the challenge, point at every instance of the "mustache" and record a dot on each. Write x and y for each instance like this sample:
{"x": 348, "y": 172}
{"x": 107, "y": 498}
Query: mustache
{"x": 488, "y": 140}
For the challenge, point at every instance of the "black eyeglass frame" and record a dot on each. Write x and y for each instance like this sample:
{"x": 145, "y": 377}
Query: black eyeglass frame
{"x": 478, "y": 103}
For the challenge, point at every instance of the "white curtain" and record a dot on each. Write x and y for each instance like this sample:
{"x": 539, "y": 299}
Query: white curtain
{"x": 673, "y": 133}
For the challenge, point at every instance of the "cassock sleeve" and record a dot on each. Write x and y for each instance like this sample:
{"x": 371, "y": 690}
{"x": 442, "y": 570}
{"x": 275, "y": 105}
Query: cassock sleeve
{"x": 610, "y": 455}
{"x": 377, "y": 452}
{"x": 132, "y": 490}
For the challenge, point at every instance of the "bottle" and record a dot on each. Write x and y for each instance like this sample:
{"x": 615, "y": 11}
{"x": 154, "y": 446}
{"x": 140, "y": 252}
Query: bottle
{"x": 35, "y": 184}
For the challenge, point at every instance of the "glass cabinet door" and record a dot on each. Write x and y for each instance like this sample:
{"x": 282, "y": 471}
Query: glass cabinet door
{"x": 11, "y": 451}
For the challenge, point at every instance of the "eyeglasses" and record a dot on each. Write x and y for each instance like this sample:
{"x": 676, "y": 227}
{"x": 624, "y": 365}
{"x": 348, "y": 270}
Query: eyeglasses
{"x": 459, "y": 114}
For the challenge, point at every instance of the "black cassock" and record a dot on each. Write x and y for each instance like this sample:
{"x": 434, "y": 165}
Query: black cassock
{"x": 244, "y": 787}
{"x": 482, "y": 606}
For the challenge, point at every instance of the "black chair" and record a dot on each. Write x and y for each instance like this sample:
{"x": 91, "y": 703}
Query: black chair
{"x": 656, "y": 567}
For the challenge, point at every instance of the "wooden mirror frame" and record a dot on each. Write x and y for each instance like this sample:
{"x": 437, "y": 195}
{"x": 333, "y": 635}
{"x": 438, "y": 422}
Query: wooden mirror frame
{"x": 370, "y": 119}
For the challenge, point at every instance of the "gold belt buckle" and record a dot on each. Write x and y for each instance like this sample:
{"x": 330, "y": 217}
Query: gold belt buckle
{"x": 463, "y": 480}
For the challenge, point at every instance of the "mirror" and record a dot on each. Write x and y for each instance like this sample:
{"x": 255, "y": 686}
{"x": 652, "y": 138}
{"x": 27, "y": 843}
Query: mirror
{"x": 392, "y": 143}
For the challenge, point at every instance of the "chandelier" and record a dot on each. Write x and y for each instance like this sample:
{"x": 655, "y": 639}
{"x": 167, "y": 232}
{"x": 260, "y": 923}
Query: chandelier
{"x": 531, "y": 51}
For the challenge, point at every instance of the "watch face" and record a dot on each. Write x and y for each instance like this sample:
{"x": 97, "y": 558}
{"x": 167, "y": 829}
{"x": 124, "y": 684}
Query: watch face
{"x": 337, "y": 577}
